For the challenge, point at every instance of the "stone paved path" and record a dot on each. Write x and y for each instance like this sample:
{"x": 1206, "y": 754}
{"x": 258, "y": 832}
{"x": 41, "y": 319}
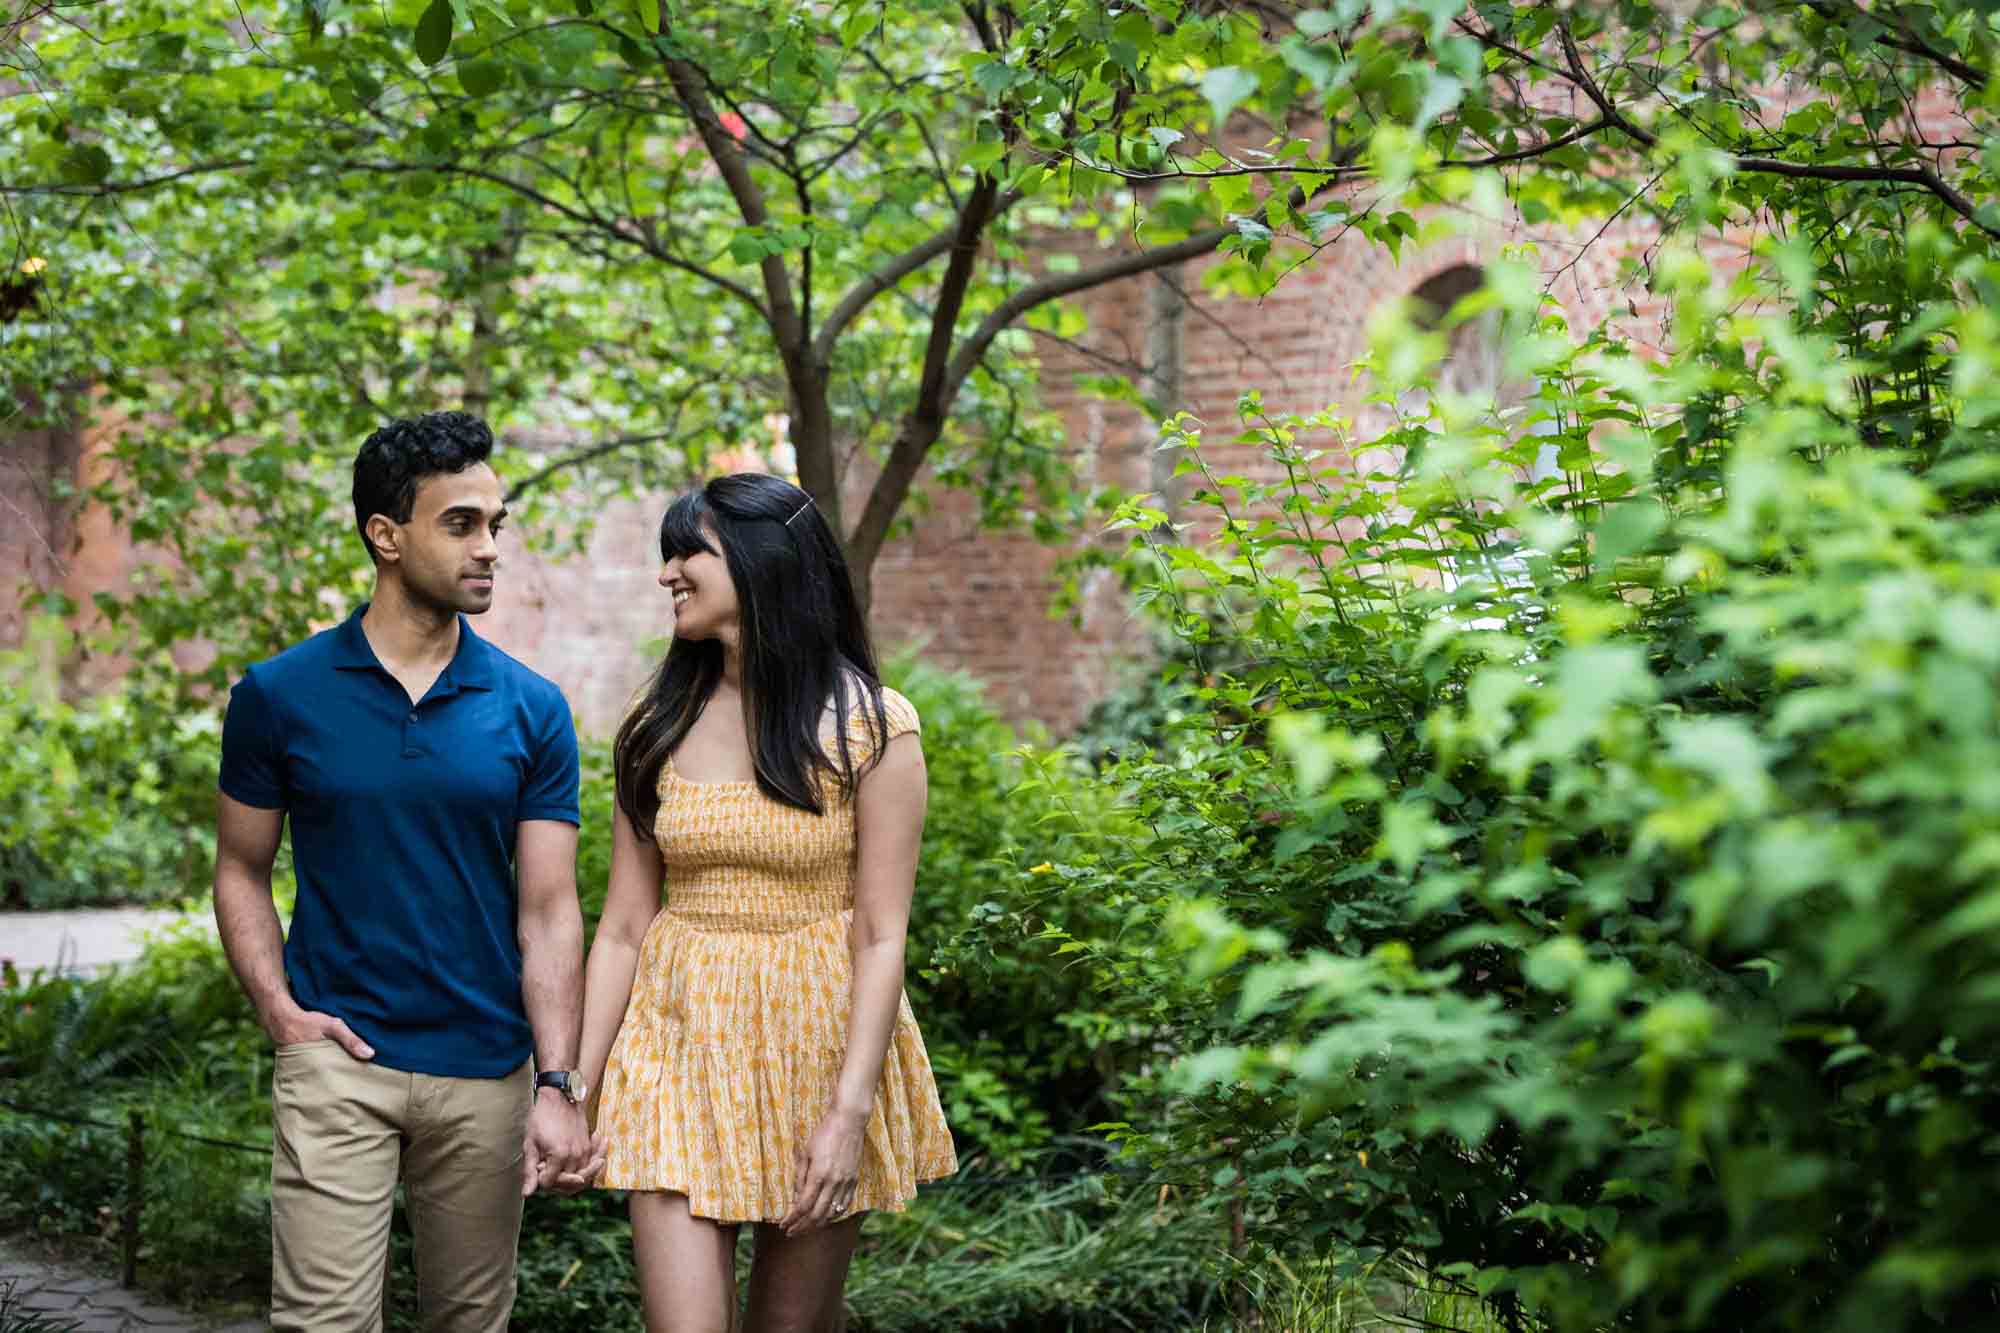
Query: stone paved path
{"x": 81, "y": 941}
{"x": 90, "y": 1302}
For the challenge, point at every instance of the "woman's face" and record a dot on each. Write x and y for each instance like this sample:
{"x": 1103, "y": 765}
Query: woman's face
{"x": 704, "y": 595}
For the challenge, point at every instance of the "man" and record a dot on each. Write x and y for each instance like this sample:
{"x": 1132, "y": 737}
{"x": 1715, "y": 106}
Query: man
{"x": 431, "y": 784}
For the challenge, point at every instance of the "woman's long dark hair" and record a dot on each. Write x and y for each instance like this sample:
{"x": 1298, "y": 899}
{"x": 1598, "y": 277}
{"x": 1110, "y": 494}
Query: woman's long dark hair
{"x": 804, "y": 643}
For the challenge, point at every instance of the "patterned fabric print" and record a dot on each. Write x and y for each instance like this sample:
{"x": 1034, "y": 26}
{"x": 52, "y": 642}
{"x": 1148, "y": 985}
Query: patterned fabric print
{"x": 730, "y": 1050}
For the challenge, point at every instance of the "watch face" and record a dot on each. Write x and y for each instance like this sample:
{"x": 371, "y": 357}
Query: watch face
{"x": 576, "y": 1089}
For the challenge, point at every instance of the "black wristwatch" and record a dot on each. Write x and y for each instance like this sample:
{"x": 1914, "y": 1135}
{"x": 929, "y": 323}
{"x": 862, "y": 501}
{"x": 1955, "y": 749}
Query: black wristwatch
{"x": 567, "y": 1082}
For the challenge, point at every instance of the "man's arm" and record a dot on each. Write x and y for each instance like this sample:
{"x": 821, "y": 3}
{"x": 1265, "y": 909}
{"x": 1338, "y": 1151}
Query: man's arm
{"x": 550, "y": 928}
{"x": 246, "y": 843}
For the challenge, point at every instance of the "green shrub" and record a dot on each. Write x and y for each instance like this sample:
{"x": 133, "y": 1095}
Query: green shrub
{"x": 597, "y": 794}
{"x": 108, "y": 801}
{"x": 177, "y": 1004}
{"x": 1585, "y": 885}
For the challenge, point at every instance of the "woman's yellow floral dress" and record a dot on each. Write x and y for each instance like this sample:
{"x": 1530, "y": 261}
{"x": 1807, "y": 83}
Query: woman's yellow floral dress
{"x": 730, "y": 1050}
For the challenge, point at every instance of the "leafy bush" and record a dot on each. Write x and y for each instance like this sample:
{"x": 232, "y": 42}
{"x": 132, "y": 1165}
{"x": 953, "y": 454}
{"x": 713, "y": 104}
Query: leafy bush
{"x": 597, "y": 795}
{"x": 178, "y": 1003}
{"x": 1584, "y": 885}
{"x": 110, "y": 800}
{"x": 1012, "y": 1045}
{"x": 171, "y": 1037}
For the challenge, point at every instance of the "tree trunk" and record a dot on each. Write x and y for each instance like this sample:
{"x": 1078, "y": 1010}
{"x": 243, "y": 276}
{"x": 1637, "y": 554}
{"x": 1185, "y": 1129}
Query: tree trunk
{"x": 811, "y": 434}
{"x": 1166, "y": 318}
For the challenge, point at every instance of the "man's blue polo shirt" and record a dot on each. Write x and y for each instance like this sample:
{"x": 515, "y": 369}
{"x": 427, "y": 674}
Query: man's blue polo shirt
{"x": 403, "y": 826}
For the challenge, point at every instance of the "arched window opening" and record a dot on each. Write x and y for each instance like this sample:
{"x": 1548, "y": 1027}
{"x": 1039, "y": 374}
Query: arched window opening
{"x": 1475, "y": 360}
{"x": 1472, "y": 360}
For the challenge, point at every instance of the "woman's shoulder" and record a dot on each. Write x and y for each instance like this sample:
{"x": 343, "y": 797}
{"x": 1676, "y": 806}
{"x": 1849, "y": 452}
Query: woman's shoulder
{"x": 899, "y": 713}
{"x": 864, "y": 726}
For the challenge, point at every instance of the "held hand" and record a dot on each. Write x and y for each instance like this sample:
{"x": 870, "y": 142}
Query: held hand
{"x": 303, "y": 1025}
{"x": 557, "y": 1145}
{"x": 572, "y": 1182}
{"x": 827, "y": 1168}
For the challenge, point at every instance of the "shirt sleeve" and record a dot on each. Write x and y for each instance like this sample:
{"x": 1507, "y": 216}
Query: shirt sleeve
{"x": 253, "y": 749}
{"x": 550, "y": 791}
{"x": 899, "y": 717}
{"x": 900, "y": 714}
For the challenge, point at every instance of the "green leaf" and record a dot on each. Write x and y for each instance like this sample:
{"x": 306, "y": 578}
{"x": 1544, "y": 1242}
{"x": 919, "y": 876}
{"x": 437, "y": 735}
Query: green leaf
{"x": 433, "y": 32}
{"x": 482, "y": 78}
{"x": 649, "y": 15}
{"x": 1627, "y": 529}
{"x": 857, "y": 25}
{"x": 1226, "y": 88}
{"x": 1317, "y": 22}
{"x": 995, "y": 77}
{"x": 86, "y": 164}
{"x": 1441, "y": 94}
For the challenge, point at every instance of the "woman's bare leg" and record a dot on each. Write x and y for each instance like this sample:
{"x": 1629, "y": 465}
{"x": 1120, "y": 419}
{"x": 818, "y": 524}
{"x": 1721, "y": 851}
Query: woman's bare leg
{"x": 687, "y": 1266}
{"x": 796, "y": 1281}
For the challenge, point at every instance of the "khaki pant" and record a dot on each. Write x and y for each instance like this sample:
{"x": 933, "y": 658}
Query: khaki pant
{"x": 346, "y": 1129}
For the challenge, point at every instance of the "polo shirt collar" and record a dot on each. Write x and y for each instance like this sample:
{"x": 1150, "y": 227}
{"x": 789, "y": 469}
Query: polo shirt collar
{"x": 470, "y": 668}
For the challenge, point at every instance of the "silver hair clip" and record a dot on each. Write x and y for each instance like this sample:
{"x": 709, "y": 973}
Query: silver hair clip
{"x": 801, "y": 509}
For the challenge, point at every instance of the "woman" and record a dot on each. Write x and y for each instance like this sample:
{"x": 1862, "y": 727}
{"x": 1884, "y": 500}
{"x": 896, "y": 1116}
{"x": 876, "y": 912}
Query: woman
{"x": 767, "y": 1068}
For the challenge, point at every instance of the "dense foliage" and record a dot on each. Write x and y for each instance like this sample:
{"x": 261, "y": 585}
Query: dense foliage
{"x": 640, "y": 237}
{"x": 108, "y": 799}
{"x": 1587, "y": 882}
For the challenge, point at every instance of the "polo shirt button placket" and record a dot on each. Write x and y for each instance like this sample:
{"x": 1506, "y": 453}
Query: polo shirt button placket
{"x": 410, "y": 750}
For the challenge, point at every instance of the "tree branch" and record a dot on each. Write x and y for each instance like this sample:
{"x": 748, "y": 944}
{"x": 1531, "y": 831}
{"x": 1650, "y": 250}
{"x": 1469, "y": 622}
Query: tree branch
{"x": 937, "y": 386}
{"x": 1909, "y": 43}
{"x": 1339, "y": 171}
{"x": 780, "y": 308}
{"x": 1059, "y": 285}
{"x": 1772, "y": 166}
{"x": 584, "y": 217}
{"x": 588, "y": 454}
{"x": 130, "y": 187}
{"x": 888, "y": 275}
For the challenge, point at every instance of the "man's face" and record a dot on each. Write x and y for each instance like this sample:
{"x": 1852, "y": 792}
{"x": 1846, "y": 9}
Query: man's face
{"x": 446, "y": 554}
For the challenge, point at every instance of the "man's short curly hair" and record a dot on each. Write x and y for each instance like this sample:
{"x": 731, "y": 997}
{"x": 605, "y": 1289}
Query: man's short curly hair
{"x": 396, "y": 458}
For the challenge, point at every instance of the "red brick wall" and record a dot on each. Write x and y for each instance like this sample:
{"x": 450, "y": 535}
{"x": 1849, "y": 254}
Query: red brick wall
{"x": 37, "y": 538}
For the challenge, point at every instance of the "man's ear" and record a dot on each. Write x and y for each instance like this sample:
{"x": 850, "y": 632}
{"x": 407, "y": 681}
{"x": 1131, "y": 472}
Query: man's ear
{"x": 385, "y": 537}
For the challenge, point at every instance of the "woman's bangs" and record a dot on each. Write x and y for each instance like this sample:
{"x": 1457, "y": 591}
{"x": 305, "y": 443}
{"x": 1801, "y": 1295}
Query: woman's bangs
{"x": 681, "y": 532}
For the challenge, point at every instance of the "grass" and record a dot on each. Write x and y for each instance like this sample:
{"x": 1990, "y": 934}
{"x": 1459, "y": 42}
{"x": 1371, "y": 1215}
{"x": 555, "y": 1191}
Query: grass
{"x": 1087, "y": 1253}
{"x": 1334, "y": 1294}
